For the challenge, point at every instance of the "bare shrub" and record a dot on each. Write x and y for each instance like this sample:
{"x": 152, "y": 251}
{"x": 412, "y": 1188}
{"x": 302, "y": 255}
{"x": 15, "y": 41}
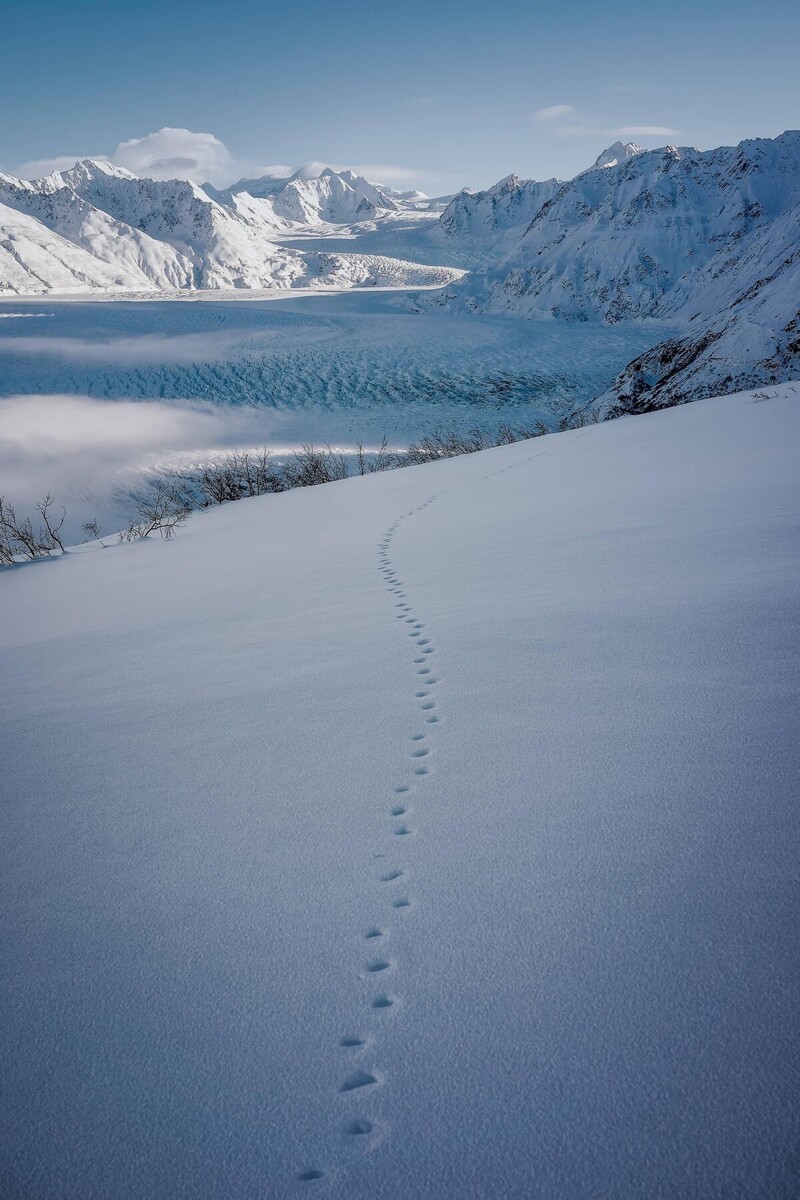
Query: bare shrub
{"x": 241, "y": 473}
{"x": 92, "y": 531}
{"x": 382, "y": 459}
{"x": 161, "y": 509}
{"x": 20, "y": 539}
{"x": 310, "y": 466}
{"x": 578, "y": 419}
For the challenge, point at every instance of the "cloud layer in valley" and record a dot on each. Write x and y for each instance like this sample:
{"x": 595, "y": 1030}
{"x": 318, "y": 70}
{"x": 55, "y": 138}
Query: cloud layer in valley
{"x": 55, "y": 443}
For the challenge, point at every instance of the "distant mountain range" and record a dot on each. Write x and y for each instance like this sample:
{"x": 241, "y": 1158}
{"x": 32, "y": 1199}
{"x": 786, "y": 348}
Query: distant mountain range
{"x": 99, "y": 228}
{"x": 707, "y": 240}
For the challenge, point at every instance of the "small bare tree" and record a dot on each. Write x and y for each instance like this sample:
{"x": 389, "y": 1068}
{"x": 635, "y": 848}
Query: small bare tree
{"x": 159, "y": 510}
{"x": 20, "y": 540}
{"x": 92, "y": 531}
{"x": 52, "y": 530}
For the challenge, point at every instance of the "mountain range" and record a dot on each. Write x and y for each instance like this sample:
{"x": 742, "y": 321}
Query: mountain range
{"x": 708, "y": 241}
{"x": 98, "y": 227}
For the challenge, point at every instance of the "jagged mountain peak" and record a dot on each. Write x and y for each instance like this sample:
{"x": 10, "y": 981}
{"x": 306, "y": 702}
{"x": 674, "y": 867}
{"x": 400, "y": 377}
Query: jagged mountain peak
{"x": 511, "y": 183}
{"x": 618, "y": 153}
{"x": 84, "y": 171}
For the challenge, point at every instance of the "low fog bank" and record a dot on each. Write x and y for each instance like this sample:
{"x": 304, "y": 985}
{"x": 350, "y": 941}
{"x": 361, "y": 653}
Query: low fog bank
{"x": 87, "y": 453}
{"x": 90, "y": 454}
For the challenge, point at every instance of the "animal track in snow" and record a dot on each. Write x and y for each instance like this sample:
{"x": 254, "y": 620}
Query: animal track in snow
{"x": 390, "y": 876}
{"x": 358, "y": 1079}
{"x": 422, "y": 649}
{"x": 358, "y": 1127}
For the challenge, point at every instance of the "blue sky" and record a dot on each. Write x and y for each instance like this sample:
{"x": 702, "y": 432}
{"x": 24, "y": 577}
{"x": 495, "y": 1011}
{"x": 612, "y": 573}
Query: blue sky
{"x": 437, "y": 94}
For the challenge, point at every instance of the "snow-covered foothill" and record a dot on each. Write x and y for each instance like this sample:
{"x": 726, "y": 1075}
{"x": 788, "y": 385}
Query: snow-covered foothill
{"x": 34, "y": 258}
{"x": 430, "y": 834}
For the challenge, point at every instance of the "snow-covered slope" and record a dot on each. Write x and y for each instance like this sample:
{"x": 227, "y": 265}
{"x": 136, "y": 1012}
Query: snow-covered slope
{"x": 432, "y": 833}
{"x": 171, "y": 234}
{"x": 753, "y": 290}
{"x": 33, "y": 258}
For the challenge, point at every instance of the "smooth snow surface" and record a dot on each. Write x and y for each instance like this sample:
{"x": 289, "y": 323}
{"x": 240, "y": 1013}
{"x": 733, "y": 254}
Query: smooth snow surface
{"x": 430, "y": 834}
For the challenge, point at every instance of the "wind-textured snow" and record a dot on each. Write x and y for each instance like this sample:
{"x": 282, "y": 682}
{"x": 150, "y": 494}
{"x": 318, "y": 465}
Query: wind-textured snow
{"x": 430, "y": 834}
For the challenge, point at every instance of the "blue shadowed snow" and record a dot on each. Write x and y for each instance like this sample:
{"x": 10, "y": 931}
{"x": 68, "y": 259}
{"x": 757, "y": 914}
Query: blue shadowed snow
{"x": 256, "y": 945}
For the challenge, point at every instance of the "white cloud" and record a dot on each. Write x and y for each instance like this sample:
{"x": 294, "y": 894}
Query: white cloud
{"x": 388, "y": 174}
{"x": 184, "y": 154}
{"x": 625, "y": 131}
{"x": 166, "y": 154}
{"x": 275, "y": 171}
{"x": 148, "y": 349}
{"x": 177, "y": 154}
{"x": 553, "y": 111}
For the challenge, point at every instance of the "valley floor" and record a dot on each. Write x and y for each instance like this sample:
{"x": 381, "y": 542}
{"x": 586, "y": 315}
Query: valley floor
{"x": 428, "y": 834}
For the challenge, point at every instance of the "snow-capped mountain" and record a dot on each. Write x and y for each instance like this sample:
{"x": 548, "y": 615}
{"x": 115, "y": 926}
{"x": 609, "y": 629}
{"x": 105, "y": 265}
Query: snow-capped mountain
{"x": 618, "y": 153}
{"x": 66, "y": 203}
{"x": 314, "y": 196}
{"x": 676, "y": 233}
{"x": 634, "y": 240}
{"x": 489, "y": 222}
{"x": 115, "y": 231}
